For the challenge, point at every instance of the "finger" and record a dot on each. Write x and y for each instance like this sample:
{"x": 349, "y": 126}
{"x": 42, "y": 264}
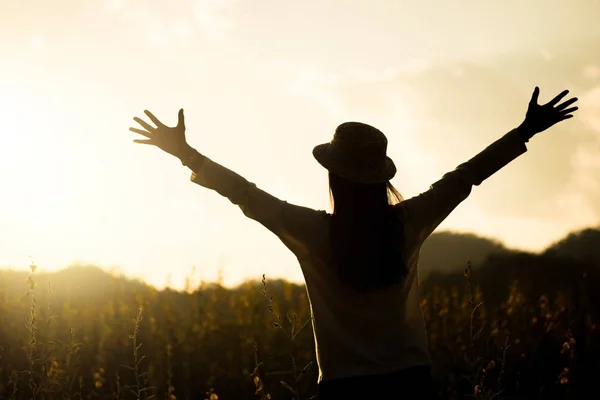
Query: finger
{"x": 141, "y": 132}
{"x": 144, "y": 124}
{"x": 569, "y": 110}
{"x": 566, "y": 104}
{"x": 153, "y": 118}
{"x": 144, "y": 141}
{"x": 535, "y": 95}
{"x": 567, "y": 117}
{"x": 180, "y": 119}
{"x": 557, "y": 98}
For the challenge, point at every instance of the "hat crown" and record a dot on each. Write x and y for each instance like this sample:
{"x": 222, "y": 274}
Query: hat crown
{"x": 359, "y": 134}
{"x": 360, "y": 144}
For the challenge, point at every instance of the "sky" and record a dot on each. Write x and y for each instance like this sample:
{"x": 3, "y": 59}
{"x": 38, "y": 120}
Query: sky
{"x": 262, "y": 82}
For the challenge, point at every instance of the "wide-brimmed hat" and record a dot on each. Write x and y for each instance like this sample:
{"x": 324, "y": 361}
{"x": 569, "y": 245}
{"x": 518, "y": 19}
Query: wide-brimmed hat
{"x": 357, "y": 152}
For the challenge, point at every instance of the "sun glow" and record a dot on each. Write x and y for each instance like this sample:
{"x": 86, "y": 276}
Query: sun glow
{"x": 260, "y": 90}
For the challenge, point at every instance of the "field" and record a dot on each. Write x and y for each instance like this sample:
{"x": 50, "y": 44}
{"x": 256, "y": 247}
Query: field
{"x": 520, "y": 326}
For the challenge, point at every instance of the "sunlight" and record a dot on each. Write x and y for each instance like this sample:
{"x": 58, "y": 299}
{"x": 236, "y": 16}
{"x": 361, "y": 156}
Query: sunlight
{"x": 43, "y": 204}
{"x": 79, "y": 190}
{"x": 262, "y": 83}
{"x": 9, "y": 136}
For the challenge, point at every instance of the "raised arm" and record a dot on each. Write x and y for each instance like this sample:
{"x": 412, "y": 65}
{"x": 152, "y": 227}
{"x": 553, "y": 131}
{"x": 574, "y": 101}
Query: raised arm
{"x": 294, "y": 225}
{"x": 426, "y": 211}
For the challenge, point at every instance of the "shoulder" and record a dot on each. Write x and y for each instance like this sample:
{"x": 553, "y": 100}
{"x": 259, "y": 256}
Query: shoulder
{"x": 400, "y": 210}
{"x": 304, "y": 215}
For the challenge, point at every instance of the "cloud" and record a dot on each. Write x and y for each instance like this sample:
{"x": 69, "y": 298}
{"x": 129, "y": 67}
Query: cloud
{"x": 319, "y": 87}
{"x": 546, "y": 55}
{"x": 379, "y": 98}
{"x": 438, "y": 116}
{"x": 342, "y": 92}
{"x": 213, "y": 18}
{"x": 591, "y": 72}
{"x": 165, "y": 23}
{"x": 578, "y": 200}
{"x": 590, "y": 109}
{"x": 115, "y": 5}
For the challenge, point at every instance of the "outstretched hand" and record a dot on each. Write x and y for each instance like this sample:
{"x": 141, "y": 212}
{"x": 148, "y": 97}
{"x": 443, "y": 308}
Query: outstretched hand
{"x": 169, "y": 139}
{"x": 541, "y": 117}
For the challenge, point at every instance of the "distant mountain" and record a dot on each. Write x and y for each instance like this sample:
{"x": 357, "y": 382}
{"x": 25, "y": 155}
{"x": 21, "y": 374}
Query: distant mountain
{"x": 583, "y": 245}
{"x": 78, "y": 281}
{"x": 443, "y": 253}
{"x": 448, "y": 252}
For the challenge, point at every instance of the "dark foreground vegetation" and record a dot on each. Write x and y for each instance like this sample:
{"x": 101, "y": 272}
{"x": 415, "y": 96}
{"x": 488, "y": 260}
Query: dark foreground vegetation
{"x": 514, "y": 325}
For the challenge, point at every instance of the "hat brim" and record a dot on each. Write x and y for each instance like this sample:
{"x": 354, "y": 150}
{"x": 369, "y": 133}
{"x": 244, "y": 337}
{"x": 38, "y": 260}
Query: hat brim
{"x": 324, "y": 155}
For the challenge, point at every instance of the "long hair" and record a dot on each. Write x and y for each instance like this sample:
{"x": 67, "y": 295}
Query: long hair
{"x": 366, "y": 234}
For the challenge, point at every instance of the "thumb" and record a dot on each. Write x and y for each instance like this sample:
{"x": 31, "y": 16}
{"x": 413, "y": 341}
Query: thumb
{"x": 534, "y": 96}
{"x": 180, "y": 119}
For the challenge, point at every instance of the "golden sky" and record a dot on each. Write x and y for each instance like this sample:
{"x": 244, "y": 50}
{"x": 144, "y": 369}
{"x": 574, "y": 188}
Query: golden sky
{"x": 261, "y": 83}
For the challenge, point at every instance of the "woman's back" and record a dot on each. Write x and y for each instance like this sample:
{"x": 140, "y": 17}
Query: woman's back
{"x": 365, "y": 234}
{"x": 363, "y": 333}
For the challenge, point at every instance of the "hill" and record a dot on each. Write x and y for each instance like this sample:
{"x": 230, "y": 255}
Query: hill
{"x": 449, "y": 252}
{"x": 443, "y": 252}
{"x": 582, "y": 245}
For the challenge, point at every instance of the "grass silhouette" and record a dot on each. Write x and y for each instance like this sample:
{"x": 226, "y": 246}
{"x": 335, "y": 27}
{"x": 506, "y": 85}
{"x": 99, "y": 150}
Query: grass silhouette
{"x": 120, "y": 339}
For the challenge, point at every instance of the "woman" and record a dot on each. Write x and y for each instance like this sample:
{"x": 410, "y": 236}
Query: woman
{"x": 360, "y": 262}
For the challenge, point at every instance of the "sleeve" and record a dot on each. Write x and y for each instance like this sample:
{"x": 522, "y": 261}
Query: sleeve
{"x": 294, "y": 225}
{"x": 427, "y": 210}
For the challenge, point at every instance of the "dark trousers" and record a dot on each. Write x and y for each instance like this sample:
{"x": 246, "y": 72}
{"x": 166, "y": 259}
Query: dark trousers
{"x": 412, "y": 383}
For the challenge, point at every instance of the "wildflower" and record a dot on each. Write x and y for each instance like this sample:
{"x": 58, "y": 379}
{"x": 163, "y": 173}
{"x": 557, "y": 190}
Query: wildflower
{"x": 563, "y": 378}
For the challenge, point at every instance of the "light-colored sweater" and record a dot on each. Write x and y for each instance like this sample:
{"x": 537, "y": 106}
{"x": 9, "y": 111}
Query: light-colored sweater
{"x": 374, "y": 332}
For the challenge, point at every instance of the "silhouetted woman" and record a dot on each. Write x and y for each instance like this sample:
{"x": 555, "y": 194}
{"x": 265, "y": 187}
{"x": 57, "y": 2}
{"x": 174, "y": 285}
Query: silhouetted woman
{"x": 360, "y": 262}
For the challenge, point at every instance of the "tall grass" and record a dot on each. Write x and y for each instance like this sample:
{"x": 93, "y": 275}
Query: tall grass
{"x": 119, "y": 339}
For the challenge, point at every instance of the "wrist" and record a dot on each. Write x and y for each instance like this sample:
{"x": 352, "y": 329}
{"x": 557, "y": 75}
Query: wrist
{"x": 187, "y": 152}
{"x": 525, "y": 132}
{"x": 192, "y": 159}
